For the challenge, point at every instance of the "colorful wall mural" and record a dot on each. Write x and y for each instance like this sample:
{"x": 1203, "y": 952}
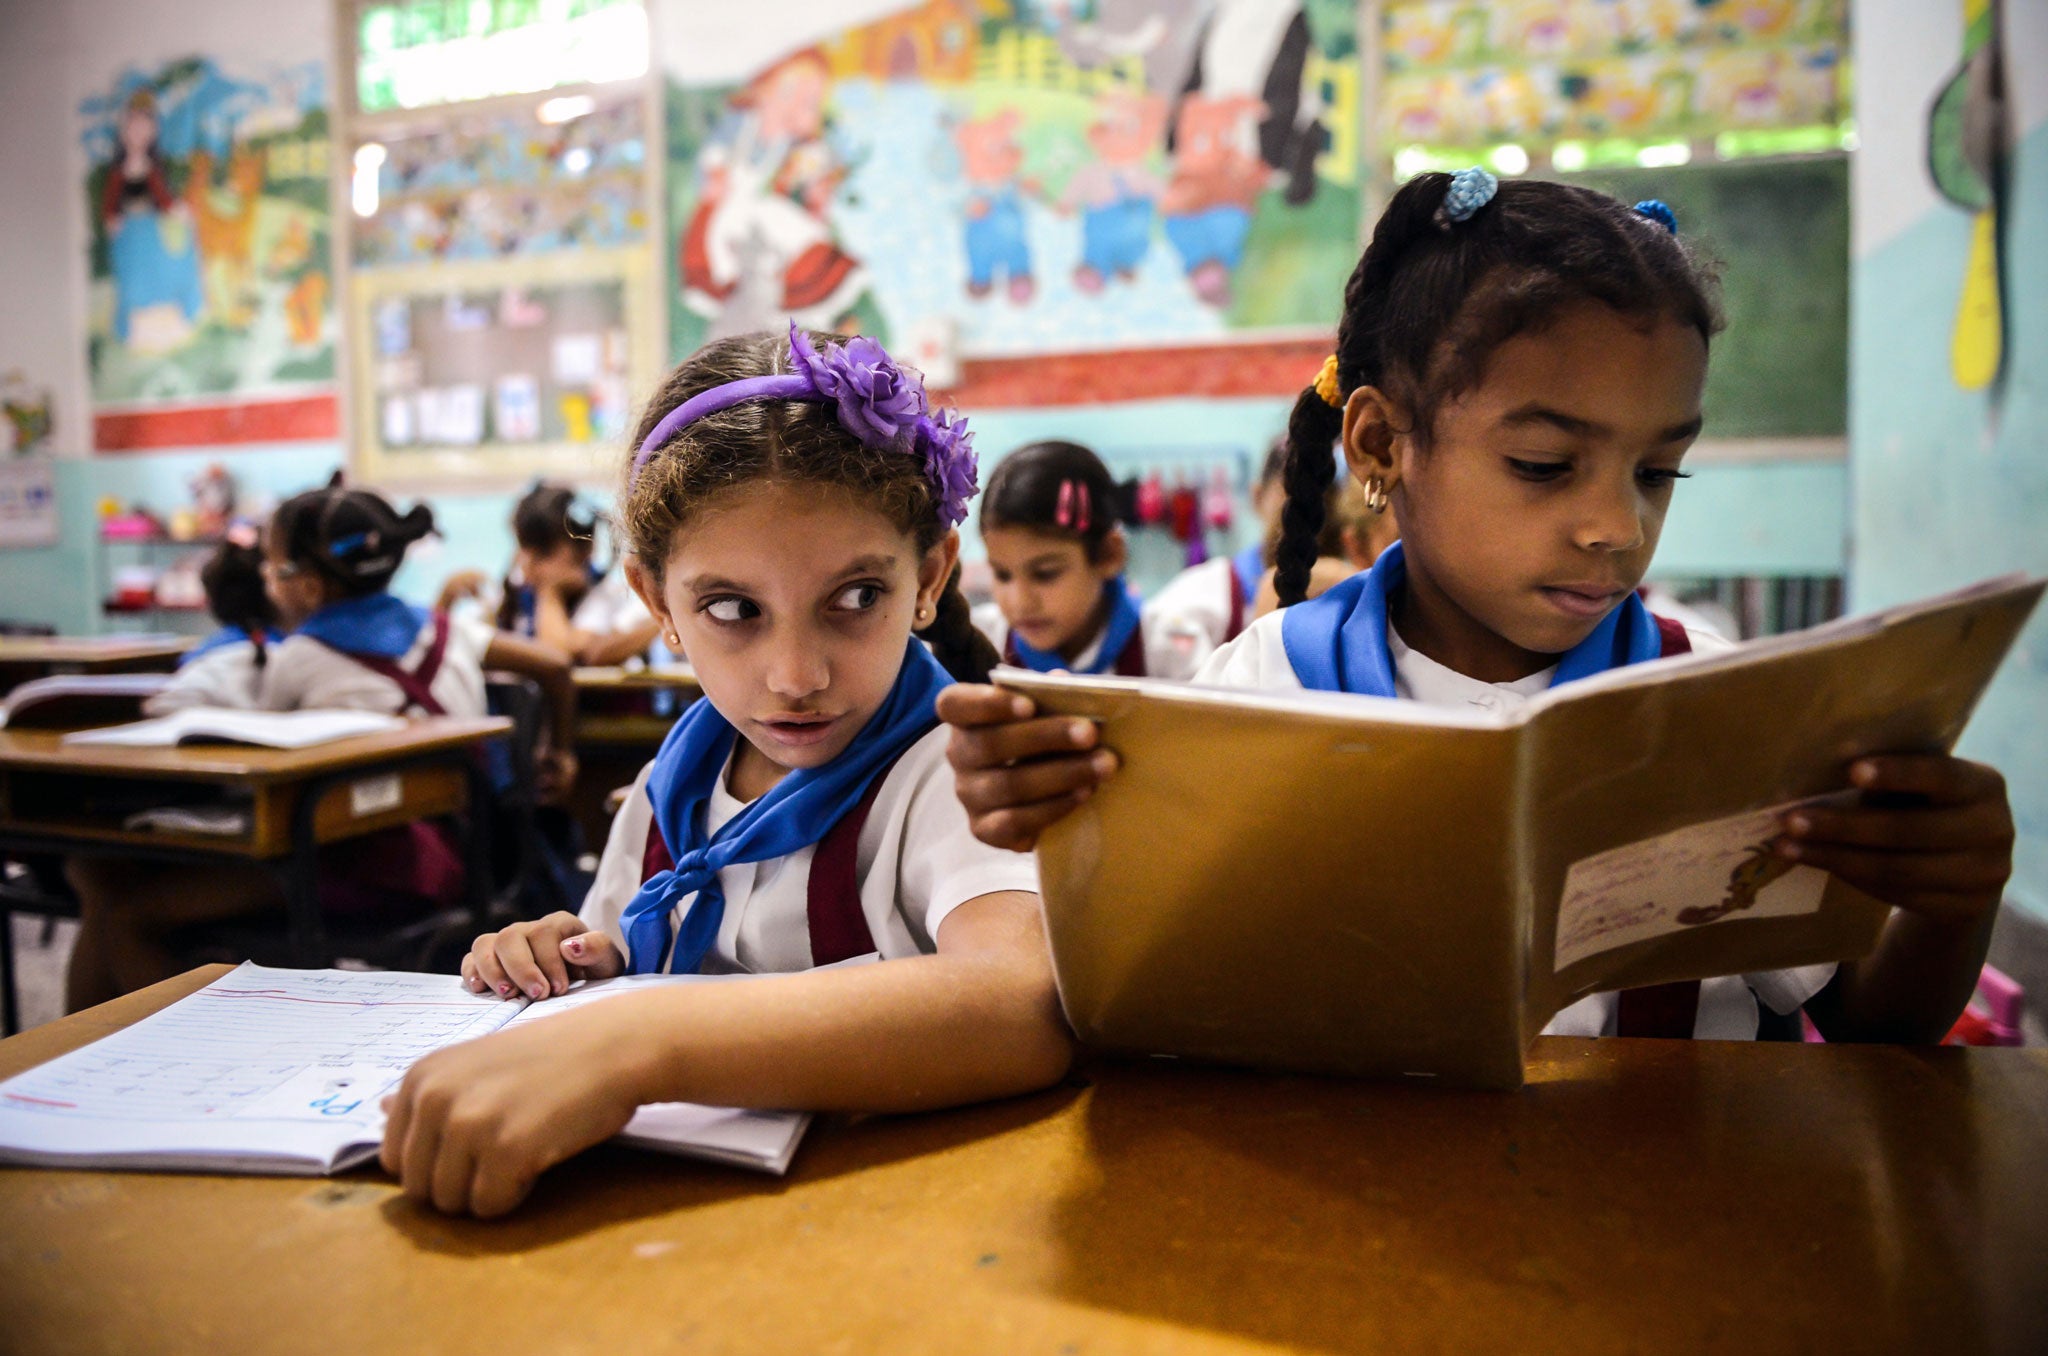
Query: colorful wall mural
{"x": 209, "y": 272}
{"x": 1038, "y": 177}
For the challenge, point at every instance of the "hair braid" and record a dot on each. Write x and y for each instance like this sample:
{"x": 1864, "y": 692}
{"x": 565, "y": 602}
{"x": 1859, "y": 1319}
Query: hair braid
{"x": 957, "y": 643}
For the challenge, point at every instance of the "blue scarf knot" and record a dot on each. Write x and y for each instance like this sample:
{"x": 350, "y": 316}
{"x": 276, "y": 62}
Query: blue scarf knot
{"x": 797, "y": 812}
{"x": 1338, "y": 642}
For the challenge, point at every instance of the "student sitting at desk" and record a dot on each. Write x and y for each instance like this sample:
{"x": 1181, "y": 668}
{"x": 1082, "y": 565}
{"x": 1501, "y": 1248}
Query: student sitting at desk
{"x": 556, "y": 593}
{"x": 1518, "y": 374}
{"x": 224, "y": 668}
{"x": 328, "y": 559}
{"x": 791, "y": 511}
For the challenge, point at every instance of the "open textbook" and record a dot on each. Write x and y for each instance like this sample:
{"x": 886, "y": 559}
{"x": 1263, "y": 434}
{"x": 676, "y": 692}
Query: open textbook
{"x": 1351, "y": 884}
{"x": 229, "y": 725}
{"x": 284, "y": 1071}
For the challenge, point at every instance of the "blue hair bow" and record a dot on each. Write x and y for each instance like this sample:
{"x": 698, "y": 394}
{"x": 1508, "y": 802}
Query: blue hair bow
{"x": 1470, "y": 190}
{"x": 1659, "y": 211}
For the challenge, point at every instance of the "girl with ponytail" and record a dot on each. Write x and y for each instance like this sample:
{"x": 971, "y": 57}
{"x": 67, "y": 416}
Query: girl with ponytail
{"x": 1518, "y": 376}
{"x": 789, "y": 512}
{"x": 326, "y": 567}
{"x": 1052, "y": 522}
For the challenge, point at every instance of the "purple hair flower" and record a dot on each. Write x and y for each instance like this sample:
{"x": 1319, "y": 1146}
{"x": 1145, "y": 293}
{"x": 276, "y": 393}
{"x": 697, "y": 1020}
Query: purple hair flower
{"x": 950, "y": 466}
{"x": 879, "y": 403}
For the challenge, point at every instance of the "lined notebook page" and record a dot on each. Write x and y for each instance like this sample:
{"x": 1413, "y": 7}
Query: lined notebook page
{"x": 263, "y": 1070}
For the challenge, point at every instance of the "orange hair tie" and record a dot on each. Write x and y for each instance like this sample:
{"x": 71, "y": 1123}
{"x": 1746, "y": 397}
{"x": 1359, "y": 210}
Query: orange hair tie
{"x": 1326, "y": 384}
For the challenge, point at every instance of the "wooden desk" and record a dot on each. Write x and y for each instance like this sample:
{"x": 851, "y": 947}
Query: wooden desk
{"x": 58, "y": 798}
{"x": 596, "y": 689}
{"x": 613, "y": 740}
{"x": 26, "y": 657}
{"x": 1637, "y": 1196}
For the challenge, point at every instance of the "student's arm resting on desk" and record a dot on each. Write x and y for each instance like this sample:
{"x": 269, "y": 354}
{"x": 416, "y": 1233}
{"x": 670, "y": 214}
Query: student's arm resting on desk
{"x": 1018, "y": 772}
{"x": 601, "y": 650}
{"x": 473, "y": 1125}
{"x": 557, "y": 755}
{"x": 1933, "y": 838}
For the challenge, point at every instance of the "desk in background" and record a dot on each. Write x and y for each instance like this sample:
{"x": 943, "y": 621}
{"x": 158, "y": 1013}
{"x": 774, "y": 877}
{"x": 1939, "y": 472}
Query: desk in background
{"x": 25, "y": 657}
{"x": 58, "y": 798}
{"x": 618, "y": 729}
{"x": 1639, "y": 1195}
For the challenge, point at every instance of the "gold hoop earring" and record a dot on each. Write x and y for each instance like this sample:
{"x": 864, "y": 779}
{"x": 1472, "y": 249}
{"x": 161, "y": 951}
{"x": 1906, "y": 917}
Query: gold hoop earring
{"x": 1375, "y": 496}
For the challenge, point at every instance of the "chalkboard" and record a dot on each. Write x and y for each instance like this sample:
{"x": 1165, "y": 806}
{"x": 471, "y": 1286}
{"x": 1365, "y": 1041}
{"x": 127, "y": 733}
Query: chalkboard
{"x": 1780, "y": 231}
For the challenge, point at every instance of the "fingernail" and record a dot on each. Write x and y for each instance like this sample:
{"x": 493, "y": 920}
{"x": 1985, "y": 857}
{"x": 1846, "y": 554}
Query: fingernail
{"x": 1800, "y": 824}
{"x": 1863, "y": 774}
{"x": 539, "y": 991}
{"x": 575, "y": 947}
{"x": 1019, "y": 707}
{"x": 504, "y": 991}
{"x": 1791, "y": 850}
{"x": 1079, "y": 731}
{"x": 1103, "y": 761}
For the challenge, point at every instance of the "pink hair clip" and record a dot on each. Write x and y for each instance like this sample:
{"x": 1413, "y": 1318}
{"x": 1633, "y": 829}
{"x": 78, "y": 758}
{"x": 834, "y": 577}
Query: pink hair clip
{"x": 1071, "y": 511}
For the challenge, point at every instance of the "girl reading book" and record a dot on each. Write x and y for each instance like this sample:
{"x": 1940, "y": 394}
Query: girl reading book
{"x": 1518, "y": 377}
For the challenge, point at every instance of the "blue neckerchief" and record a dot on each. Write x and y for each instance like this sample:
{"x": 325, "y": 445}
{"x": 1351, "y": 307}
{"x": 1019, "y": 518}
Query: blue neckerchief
{"x": 1123, "y": 624}
{"x": 797, "y": 812}
{"x": 524, "y": 605}
{"x": 221, "y": 639}
{"x": 1338, "y": 641}
{"x": 375, "y": 624}
{"x": 1250, "y": 565}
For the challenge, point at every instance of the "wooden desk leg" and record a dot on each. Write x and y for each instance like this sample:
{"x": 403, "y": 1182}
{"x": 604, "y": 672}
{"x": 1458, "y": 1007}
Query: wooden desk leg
{"x": 476, "y": 842}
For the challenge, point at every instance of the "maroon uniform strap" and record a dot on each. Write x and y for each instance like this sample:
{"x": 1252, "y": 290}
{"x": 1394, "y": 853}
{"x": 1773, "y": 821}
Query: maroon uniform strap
{"x": 839, "y": 927}
{"x": 418, "y": 684}
{"x": 1131, "y": 663}
{"x": 1235, "y": 627}
{"x": 1662, "y": 1010}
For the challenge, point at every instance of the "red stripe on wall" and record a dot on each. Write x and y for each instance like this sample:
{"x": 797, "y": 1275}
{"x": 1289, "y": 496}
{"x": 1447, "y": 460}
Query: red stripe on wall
{"x": 244, "y": 421}
{"x": 1265, "y": 368}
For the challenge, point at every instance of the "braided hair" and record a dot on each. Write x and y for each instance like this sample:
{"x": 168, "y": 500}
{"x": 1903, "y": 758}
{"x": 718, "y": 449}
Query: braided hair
{"x": 352, "y": 538}
{"x": 1431, "y": 299}
{"x": 793, "y": 440}
{"x": 233, "y": 579}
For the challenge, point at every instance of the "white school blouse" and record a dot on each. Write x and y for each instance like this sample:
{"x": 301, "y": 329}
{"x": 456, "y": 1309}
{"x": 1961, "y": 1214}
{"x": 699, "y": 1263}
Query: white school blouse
{"x": 1174, "y": 646}
{"x": 303, "y": 673}
{"x": 226, "y": 676}
{"x": 610, "y": 606}
{"x": 917, "y": 861}
{"x": 1727, "y": 1006}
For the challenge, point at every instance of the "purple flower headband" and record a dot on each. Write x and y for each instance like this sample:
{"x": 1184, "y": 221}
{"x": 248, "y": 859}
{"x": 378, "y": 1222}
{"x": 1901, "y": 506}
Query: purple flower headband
{"x": 880, "y": 403}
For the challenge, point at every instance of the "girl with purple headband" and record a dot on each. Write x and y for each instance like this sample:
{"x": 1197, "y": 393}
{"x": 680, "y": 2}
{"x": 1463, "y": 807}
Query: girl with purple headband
{"x": 789, "y": 513}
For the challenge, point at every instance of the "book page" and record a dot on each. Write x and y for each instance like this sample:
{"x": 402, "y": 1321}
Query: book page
{"x": 222, "y": 725}
{"x": 764, "y": 1140}
{"x": 263, "y": 1069}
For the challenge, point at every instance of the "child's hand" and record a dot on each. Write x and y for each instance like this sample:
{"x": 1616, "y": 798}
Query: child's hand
{"x": 460, "y": 585}
{"x": 1017, "y": 774}
{"x": 1933, "y": 835}
{"x": 539, "y": 959}
{"x": 473, "y": 1125}
{"x": 554, "y": 772}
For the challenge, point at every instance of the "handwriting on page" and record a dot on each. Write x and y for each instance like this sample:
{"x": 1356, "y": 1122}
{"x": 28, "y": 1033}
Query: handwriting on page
{"x": 264, "y": 1044}
{"x": 1690, "y": 878}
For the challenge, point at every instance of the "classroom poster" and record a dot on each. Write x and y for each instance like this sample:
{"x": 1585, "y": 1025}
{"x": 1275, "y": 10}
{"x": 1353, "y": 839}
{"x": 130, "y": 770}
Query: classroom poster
{"x": 1458, "y": 75}
{"x": 1038, "y": 177}
{"x": 211, "y": 318}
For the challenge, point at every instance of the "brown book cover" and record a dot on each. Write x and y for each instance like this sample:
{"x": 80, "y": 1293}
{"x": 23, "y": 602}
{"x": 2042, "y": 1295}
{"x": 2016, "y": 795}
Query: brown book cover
{"x": 1331, "y": 883}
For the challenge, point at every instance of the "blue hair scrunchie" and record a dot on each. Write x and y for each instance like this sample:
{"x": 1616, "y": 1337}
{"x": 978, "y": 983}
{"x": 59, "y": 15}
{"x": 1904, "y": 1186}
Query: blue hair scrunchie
{"x": 1659, "y": 211}
{"x": 1470, "y": 190}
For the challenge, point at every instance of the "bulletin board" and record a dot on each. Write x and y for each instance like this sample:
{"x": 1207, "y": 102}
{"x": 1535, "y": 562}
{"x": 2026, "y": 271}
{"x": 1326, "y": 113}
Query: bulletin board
{"x": 505, "y": 369}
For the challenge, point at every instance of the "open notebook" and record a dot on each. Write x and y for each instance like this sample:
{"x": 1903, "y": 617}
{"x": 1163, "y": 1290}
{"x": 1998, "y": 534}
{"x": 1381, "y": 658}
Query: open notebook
{"x": 227, "y": 725}
{"x": 1350, "y": 884}
{"x": 283, "y": 1071}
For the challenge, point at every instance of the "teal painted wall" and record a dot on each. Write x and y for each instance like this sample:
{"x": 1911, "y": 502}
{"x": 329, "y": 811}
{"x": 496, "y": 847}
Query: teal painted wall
{"x": 1731, "y": 518}
{"x": 1948, "y": 486}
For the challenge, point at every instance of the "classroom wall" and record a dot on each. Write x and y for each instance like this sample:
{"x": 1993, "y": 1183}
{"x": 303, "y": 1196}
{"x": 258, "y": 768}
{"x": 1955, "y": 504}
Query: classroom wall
{"x": 1947, "y": 486}
{"x": 1740, "y": 517}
